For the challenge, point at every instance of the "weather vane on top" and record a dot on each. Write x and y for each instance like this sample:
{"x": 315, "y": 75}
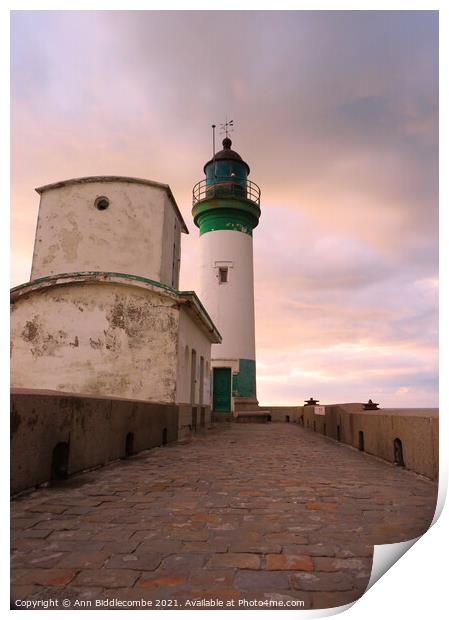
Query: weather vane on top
{"x": 227, "y": 127}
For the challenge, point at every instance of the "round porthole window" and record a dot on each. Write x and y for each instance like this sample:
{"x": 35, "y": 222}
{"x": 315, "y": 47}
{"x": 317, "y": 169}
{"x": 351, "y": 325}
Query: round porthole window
{"x": 102, "y": 203}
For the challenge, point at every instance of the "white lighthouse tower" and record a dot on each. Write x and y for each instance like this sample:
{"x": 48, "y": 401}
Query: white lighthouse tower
{"x": 226, "y": 209}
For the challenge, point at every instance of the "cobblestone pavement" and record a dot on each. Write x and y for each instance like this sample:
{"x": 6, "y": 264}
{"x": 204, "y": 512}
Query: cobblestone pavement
{"x": 250, "y": 511}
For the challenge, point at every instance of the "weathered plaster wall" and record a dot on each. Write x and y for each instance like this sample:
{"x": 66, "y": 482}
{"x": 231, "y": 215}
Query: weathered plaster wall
{"x": 95, "y": 430}
{"x": 171, "y": 247}
{"x": 131, "y": 236}
{"x": 191, "y": 337}
{"x": 98, "y": 338}
{"x": 194, "y": 408}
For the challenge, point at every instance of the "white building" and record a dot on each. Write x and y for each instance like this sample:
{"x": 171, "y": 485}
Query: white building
{"x": 102, "y": 318}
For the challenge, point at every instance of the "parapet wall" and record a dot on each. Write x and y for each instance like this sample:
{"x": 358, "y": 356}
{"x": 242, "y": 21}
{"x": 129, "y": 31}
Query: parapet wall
{"x": 283, "y": 414}
{"x": 76, "y": 432}
{"x": 375, "y": 432}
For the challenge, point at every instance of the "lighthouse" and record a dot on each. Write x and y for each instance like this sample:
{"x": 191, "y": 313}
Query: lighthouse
{"x": 226, "y": 209}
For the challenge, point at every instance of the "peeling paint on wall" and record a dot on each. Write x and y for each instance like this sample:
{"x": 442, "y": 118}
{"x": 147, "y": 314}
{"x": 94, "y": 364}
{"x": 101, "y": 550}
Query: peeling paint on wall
{"x": 108, "y": 335}
{"x": 70, "y": 239}
{"x": 124, "y": 346}
{"x": 31, "y": 330}
{"x": 130, "y": 236}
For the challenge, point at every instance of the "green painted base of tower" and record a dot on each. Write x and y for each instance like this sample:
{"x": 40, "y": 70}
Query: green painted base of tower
{"x": 244, "y": 382}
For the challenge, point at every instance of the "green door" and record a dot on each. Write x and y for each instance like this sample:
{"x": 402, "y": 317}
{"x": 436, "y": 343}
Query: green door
{"x": 222, "y": 389}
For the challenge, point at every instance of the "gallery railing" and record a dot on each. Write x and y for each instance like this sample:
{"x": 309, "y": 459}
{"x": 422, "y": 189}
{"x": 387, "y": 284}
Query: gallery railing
{"x": 235, "y": 188}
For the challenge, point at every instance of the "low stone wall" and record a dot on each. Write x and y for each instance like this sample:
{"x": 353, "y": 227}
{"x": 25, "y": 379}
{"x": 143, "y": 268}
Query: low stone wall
{"x": 414, "y": 432}
{"x": 88, "y": 431}
{"x": 192, "y": 418}
{"x": 282, "y": 414}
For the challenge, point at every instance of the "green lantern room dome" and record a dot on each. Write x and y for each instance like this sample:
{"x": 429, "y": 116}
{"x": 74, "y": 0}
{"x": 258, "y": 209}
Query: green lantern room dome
{"x": 226, "y": 199}
{"x": 227, "y": 154}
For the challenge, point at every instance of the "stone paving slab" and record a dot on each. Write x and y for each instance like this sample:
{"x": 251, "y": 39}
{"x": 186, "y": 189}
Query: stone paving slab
{"x": 269, "y": 512}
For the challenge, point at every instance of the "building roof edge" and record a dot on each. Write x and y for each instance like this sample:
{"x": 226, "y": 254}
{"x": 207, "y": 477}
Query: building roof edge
{"x": 123, "y": 179}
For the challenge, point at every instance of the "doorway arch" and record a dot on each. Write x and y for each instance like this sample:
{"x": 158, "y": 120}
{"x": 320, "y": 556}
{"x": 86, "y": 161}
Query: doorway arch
{"x": 164, "y": 436}
{"x": 129, "y": 445}
{"x": 361, "y": 441}
{"x": 398, "y": 453}
{"x": 60, "y": 461}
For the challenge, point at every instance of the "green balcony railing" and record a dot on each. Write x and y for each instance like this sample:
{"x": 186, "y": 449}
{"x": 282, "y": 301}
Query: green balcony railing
{"x": 225, "y": 188}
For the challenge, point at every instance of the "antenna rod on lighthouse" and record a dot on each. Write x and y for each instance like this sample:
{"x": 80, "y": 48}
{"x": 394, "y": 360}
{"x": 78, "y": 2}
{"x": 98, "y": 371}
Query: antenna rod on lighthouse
{"x": 213, "y": 141}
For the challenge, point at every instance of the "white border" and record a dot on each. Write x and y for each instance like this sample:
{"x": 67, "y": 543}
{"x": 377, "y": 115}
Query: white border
{"x": 416, "y": 584}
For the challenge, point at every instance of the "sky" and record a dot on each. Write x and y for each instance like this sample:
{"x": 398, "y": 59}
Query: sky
{"x": 337, "y": 115}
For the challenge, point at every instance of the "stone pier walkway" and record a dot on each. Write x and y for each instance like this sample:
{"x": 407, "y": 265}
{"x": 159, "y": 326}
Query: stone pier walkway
{"x": 255, "y": 512}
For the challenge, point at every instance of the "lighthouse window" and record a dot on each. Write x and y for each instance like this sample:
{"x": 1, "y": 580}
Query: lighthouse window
{"x": 102, "y": 203}
{"x": 223, "y": 275}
